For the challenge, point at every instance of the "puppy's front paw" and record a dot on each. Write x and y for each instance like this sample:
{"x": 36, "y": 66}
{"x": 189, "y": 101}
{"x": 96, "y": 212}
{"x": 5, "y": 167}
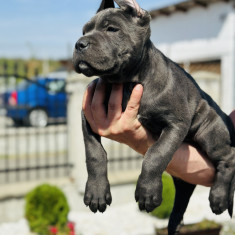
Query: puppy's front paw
{"x": 97, "y": 194}
{"x": 148, "y": 193}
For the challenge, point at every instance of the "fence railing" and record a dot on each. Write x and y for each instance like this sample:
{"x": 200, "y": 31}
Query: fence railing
{"x": 31, "y": 149}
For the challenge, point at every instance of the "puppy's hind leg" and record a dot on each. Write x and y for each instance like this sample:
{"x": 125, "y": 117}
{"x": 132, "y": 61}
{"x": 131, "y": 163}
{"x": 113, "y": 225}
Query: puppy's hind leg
{"x": 222, "y": 191}
{"x": 183, "y": 192}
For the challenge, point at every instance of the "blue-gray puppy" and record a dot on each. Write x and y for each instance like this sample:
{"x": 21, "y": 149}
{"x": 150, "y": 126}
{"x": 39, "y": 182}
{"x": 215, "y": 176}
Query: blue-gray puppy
{"x": 116, "y": 46}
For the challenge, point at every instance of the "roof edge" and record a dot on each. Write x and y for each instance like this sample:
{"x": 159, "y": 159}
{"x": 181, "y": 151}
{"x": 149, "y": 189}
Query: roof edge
{"x": 184, "y": 6}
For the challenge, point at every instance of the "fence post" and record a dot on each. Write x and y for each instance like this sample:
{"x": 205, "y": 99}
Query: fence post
{"x": 75, "y": 87}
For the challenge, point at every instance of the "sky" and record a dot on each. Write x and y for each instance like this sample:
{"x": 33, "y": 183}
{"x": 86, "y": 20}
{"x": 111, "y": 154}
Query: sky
{"x": 48, "y": 29}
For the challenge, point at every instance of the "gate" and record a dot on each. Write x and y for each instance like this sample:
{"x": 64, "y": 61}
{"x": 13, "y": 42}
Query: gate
{"x": 33, "y": 129}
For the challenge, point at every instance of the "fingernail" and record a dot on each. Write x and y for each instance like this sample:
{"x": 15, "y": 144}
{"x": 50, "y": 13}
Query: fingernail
{"x": 138, "y": 87}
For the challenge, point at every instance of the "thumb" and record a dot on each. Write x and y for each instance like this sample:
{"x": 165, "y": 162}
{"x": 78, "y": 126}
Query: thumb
{"x": 134, "y": 102}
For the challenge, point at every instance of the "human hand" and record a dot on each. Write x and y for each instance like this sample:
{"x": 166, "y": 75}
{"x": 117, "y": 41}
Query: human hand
{"x": 123, "y": 127}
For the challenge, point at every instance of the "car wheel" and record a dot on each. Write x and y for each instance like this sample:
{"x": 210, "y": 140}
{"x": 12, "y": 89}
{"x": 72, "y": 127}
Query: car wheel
{"x": 37, "y": 118}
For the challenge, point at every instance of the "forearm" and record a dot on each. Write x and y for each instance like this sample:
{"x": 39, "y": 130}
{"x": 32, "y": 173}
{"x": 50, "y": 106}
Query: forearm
{"x": 187, "y": 163}
{"x": 191, "y": 165}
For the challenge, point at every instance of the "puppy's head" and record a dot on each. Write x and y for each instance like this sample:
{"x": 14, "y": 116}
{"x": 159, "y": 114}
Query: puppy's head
{"x": 113, "y": 40}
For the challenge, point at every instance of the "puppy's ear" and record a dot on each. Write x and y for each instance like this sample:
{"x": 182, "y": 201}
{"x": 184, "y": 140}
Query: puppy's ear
{"x": 133, "y": 8}
{"x": 106, "y": 4}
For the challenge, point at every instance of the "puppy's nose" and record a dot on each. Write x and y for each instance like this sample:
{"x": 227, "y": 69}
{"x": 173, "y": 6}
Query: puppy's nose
{"x": 81, "y": 44}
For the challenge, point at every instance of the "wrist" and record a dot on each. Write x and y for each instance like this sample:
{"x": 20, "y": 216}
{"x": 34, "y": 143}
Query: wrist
{"x": 140, "y": 145}
{"x": 142, "y": 142}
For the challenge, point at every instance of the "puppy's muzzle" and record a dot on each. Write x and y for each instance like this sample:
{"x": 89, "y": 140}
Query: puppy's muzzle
{"x": 82, "y": 44}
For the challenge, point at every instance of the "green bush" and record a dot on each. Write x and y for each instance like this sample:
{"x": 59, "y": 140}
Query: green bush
{"x": 168, "y": 196}
{"x": 46, "y": 206}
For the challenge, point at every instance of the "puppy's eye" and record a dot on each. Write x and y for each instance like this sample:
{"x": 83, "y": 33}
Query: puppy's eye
{"x": 112, "y": 29}
{"x": 83, "y": 32}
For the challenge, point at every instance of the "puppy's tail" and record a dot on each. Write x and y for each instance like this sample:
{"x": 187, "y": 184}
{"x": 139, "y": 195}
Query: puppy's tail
{"x": 183, "y": 192}
{"x": 231, "y": 196}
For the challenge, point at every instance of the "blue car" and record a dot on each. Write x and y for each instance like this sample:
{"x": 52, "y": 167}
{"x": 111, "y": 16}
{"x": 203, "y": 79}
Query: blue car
{"x": 36, "y": 102}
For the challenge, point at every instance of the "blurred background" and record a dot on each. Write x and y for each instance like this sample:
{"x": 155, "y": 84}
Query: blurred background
{"x": 40, "y": 101}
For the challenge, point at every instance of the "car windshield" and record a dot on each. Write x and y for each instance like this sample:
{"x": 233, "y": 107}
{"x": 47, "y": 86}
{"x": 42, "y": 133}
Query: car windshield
{"x": 56, "y": 85}
{"x": 23, "y": 85}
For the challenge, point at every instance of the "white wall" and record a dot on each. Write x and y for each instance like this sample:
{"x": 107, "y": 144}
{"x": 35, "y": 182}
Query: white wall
{"x": 197, "y": 24}
{"x": 201, "y": 34}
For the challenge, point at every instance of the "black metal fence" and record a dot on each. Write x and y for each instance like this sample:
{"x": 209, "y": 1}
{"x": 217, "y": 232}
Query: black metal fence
{"x": 122, "y": 158}
{"x": 33, "y": 129}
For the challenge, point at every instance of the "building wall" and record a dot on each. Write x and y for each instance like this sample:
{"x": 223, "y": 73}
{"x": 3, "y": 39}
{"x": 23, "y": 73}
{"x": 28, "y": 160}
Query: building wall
{"x": 202, "y": 35}
{"x": 208, "y": 76}
{"x": 197, "y": 24}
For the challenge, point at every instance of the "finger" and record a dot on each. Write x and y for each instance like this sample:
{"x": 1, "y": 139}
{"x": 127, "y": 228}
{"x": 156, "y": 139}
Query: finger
{"x": 134, "y": 102}
{"x": 115, "y": 102}
{"x": 86, "y": 103}
{"x": 97, "y": 105}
